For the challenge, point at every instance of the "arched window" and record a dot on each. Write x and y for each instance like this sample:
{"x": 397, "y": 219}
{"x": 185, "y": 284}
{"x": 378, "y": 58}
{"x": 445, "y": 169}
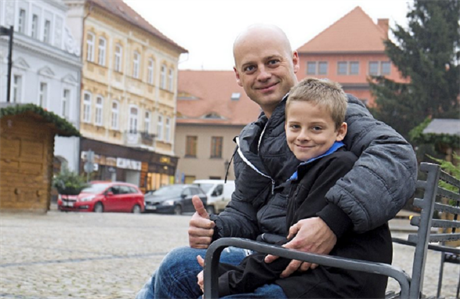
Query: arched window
{"x": 115, "y": 115}
{"x": 136, "y": 64}
{"x": 101, "y": 53}
{"x": 150, "y": 71}
{"x": 87, "y": 107}
{"x": 99, "y": 110}
{"x": 147, "y": 122}
{"x": 118, "y": 57}
{"x": 163, "y": 77}
{"x": 160, "y": 127}
{"x": 90, "y": 47}
{"x": 133, "y": 113}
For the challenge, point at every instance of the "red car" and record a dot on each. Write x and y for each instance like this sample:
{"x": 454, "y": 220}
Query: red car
{"x": 104, "y": 197}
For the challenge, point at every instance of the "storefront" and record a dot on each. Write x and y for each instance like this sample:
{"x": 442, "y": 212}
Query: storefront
{"x": 146, "y": 169}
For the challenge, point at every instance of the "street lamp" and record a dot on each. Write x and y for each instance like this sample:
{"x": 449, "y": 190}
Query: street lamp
{"x": 9, "y": 32}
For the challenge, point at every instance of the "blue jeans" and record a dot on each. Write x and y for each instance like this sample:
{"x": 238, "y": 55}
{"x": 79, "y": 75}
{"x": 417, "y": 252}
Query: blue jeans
{"x": 176, "y": 276}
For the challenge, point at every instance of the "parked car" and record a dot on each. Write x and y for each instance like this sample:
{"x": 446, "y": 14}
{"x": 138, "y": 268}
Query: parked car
{"x": 174, "y": 199}
{"x": 219, "y": 193}
{"x": 104, "y": 197}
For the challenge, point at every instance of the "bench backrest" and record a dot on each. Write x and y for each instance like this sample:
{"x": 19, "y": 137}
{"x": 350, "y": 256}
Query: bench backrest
{"x": 423, "y": 239}
{"x": 434, "y": 188}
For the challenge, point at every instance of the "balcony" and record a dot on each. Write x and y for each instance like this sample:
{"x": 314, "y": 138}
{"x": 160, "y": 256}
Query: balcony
{"x": 139, "y": 139}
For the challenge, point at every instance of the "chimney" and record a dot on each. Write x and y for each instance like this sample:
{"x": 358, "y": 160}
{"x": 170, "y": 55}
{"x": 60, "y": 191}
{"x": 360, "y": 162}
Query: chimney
{"x": 384, "y": 24}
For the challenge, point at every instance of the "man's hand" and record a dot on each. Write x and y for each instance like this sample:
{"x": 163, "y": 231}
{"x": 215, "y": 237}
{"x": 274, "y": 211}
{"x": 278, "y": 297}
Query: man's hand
{"x": 201, "y": 229}
{"x": 311, "y": 235}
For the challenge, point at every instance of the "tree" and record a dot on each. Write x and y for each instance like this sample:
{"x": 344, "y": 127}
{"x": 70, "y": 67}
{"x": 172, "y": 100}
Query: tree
{"x": 427, "y": 54}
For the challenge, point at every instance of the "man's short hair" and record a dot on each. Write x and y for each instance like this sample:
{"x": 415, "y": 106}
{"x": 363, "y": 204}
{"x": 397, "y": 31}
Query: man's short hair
{"x": 322, "y": 92}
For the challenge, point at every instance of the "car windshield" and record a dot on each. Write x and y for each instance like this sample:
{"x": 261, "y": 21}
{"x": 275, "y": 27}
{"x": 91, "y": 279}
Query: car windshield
{"x": 168, "y": 191}
{"x": 205, "y": 187}
{"x": 95, "y": 188}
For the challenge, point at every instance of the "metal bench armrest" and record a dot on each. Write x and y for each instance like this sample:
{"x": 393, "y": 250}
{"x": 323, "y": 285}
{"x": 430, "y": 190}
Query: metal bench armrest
{"x": 215, "y": 249}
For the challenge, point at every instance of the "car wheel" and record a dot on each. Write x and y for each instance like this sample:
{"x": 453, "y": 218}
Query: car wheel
{"x": 137, "y": 209}
{"x": 210, "y": 210}
{"x": 178, "y": 210}
{"x": 98, "y": 208}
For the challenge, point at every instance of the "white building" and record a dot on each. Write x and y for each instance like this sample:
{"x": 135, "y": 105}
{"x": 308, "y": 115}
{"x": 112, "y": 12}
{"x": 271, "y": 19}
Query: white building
{"x": 46, "y": 65}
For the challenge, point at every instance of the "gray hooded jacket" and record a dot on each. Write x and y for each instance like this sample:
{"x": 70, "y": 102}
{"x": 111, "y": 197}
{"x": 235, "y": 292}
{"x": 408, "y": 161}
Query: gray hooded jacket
{"x": 381, "y": 181}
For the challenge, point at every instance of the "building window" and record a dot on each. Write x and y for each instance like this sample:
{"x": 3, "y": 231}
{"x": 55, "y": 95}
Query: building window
{"x": 17, "y": 88}
{"x": 160, "y": 128}
{"x": 136, "y": 63}
{"x": 322, "y": 68}
{"x": 317, "y": 68}
{"x": 133, "y": 120}
{"x": 170, "y": 80}
{"x": 115, "y": 115}
{"x": 216, "y": 147}
{"x": 42, "y": 94}
{"x": 163, "y": 77}
{"x": 87, "y": 108}
{"x": 190, "y": 146}
{"x": 147, "y": 122}
{"x": 65, "y": 103}
{"x": 354, "y": 68}
{"x": 99, "y": 109}
{"x": 22, "y": 21}
{"x": 167, "y": 129}
{"x": 311, "y": 68}
{"x": 150, "y": 72}
{"x": 342, "y": 67}
{"x": 101, "y": 54}
{"x": 35, "y": 28}
{"x": 373, "y": 68}
{"x": 47, "y": 32}
{"x": 386, "y": 67}
{"x": 90, "y": 47}
{"x": 118, "y": 55}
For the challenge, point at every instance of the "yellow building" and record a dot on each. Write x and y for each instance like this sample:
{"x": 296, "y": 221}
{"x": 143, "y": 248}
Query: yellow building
{"x": 128, "y": 93}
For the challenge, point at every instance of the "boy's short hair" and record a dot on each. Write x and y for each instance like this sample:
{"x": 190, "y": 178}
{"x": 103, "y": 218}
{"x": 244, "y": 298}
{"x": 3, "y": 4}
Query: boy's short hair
{"x": 323, "y": 92}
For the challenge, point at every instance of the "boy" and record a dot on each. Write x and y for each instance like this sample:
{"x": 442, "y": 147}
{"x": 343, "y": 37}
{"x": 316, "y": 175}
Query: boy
{"x": 315, "y": 128}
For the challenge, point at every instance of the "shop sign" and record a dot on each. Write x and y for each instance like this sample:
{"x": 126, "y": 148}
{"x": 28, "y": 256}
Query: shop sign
{"x": 128, "y": 164}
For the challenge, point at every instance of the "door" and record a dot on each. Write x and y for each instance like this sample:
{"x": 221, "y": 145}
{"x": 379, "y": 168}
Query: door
{"x": 124, "y": 201}
{"x": 111, "y": 200}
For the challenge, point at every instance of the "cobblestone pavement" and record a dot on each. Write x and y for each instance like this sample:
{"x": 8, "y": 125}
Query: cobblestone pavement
{"x": 88, "y": 255}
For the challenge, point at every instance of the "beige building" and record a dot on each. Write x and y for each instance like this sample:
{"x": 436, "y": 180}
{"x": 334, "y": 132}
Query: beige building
{"x": 128, "y": 93}
{"x": 211, "y": 110}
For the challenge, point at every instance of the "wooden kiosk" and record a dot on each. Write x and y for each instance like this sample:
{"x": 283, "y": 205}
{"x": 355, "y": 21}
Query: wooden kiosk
{"x": 27, "y": 134}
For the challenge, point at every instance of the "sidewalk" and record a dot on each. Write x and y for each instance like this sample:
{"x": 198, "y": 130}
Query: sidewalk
{"x": 111, "y": 255}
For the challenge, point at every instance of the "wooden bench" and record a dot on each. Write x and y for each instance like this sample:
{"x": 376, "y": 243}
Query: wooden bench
{"x": 423, "y": 240}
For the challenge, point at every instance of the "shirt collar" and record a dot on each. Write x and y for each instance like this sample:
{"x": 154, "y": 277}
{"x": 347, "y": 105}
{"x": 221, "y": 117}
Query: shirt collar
{"x": 332, "y": 149}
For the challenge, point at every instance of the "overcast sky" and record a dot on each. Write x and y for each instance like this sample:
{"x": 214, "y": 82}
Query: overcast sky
{"x": 207, "y": 28}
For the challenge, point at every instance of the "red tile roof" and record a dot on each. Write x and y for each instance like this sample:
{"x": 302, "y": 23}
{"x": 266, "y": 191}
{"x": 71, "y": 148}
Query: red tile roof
{"x": 124, "y": 11}
{"x": 202, "y": 93}
{"x": 354, "y": 32}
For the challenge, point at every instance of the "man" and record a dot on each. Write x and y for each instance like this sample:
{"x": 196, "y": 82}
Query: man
{"x": 377, "y": 187}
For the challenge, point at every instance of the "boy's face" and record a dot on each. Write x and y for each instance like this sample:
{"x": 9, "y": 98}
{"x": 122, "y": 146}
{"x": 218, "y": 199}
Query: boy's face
{"x": 310, "y": 130}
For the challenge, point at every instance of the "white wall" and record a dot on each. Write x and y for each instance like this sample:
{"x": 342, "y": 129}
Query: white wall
{"x": 57, "y": 64}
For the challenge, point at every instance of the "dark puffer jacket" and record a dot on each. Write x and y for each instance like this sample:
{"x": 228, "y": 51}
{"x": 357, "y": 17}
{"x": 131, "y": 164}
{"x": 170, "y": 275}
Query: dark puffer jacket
{"x": 377, "y": 187}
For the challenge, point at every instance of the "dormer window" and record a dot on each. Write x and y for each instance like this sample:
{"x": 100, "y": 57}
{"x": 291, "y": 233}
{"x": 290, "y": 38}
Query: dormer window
{"x": 236, "y": 96}
{"x": 213, "y": 115}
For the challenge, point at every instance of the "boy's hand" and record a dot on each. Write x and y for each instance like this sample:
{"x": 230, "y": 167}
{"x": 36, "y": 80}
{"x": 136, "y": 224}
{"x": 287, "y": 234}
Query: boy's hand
{"x": 311, "y": 235}
{"x": 201, "y": 229}
{"x": 200, "y": 277}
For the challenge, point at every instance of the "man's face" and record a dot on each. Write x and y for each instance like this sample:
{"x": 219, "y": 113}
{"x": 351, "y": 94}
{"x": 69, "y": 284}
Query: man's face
{"x": 310, "y": 130}
{"x": 265, "y": 69}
